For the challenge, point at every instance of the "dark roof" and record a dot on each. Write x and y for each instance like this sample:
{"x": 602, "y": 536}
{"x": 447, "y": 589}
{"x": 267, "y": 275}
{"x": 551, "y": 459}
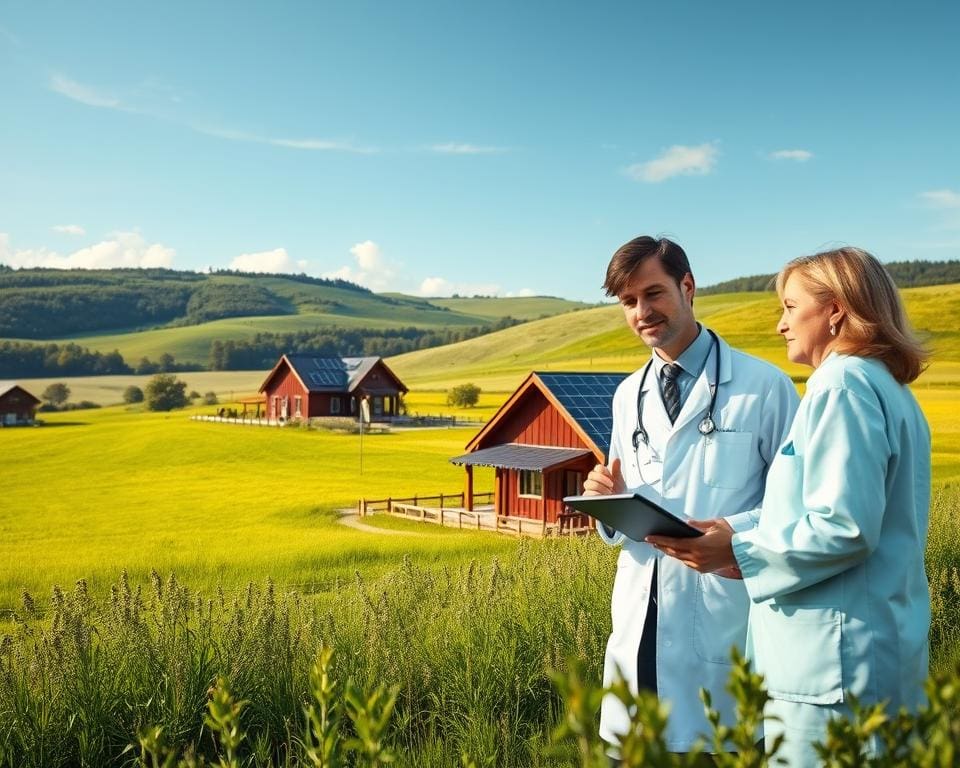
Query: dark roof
{"x": 514, "y": 456}
{"x": 588, "y": 399}
{"x": 332, "y": 374}
{"x": 9, "y": 386}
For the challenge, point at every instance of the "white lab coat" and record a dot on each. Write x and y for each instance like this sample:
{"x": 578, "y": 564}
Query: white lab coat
{"x": 721, "y": 475}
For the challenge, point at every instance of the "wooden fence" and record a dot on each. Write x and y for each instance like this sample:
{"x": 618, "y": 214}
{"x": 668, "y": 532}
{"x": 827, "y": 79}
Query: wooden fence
{"x": 372, "y": 506}
{"x": 448, "y": 509}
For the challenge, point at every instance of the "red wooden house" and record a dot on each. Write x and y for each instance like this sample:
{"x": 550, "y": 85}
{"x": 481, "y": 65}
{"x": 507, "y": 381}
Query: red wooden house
{"x": 543, "y": 441}
{"x": 17, "y": 406}
{"x": 307, "y": 387}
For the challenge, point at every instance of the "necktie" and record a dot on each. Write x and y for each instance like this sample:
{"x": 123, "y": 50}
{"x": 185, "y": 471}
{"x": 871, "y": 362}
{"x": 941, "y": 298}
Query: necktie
{"x": 670, "y": 390}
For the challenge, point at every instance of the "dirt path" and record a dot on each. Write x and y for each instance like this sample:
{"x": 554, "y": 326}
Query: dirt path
{"x": 350, "y": 519}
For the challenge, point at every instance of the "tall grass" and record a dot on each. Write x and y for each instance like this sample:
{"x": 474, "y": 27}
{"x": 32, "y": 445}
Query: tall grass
{"x": 943, "y": 572}
{"x": 467, "y": 647}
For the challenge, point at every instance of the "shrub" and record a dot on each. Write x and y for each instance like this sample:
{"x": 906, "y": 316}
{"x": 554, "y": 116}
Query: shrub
{"x": 210, "y": 398}
{"x": 164, "y": 392}
{"x": 133, "y": 394}
{"x": 464, "y": 396}
{"x": 56, "y": 395}
{"x": 83, "y": 405}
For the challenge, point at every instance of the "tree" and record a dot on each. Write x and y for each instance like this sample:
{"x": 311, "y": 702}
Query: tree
{"x": 164, "y": 392}
{"x": 56, "y": 394}
{"x": 210, "y": 398}
{"x": 463, "y": 396}
{"x": 133, "y": 394}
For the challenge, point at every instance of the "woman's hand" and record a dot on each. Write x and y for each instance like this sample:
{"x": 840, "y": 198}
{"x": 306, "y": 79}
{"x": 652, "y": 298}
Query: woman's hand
{"x": 710, "y": 553}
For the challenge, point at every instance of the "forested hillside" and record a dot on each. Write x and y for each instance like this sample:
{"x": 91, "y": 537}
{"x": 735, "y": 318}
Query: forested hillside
{"x": 906, "y": 274}
{"x": 42, "y": 303}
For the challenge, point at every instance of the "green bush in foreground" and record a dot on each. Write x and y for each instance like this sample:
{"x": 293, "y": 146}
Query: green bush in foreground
{"x": 929, "y": 737}
{"x": 427, "y": 668}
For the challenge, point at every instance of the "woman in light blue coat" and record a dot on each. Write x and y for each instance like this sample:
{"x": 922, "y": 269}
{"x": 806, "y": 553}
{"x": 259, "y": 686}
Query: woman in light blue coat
{"x": 835, "y": 568}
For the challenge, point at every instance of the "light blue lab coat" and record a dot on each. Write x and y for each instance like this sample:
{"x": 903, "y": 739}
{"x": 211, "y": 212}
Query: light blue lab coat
{"x": 721, "y": 475}
{"x": 835, "y": 567}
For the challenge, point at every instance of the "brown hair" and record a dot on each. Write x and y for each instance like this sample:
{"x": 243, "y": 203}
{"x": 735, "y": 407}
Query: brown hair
{"x": 875, "y": 323}
{"x": 631, "y": 255}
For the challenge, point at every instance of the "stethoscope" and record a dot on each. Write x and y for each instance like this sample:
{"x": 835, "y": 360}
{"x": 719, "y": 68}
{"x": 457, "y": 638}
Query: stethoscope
{"x": 707, "y": 426}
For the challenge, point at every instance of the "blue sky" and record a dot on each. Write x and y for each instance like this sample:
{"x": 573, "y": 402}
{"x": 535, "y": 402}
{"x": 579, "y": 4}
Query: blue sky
{"x": 495, "y": 147}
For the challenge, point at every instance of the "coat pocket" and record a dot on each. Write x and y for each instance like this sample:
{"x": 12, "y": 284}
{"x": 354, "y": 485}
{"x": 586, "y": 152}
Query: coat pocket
{"x": 798, "y": 651}
{"x": 719, "y": 618}
{"x": 727, "y": 459}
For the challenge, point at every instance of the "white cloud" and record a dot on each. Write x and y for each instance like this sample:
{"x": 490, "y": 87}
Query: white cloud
{"x": 69, "y": 229}
{"x": 455, "y": 148}
{"x": 313, "y": 144}
{"x": 322, "y": 145}
{"x": 678, "y": 160}
{"x": 152, "y": 97}
{"x": 943, "y": 199}
{"x": 947, "y": 202}
{"x": 522, "y": 293}
{"x": 800, "y": 155}
{"x": 436, "y": 286}
{"x": 373, "y": 270}
{"x": 125, "y": 249}
{"x": 277, "y": 260}
{"x": 83, "y": 93}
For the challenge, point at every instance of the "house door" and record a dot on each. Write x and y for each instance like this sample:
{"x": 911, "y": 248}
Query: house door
{"x": 284, "y": 407}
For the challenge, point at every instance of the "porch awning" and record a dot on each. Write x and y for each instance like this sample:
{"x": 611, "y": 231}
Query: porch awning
{"x": 514, "y": 456}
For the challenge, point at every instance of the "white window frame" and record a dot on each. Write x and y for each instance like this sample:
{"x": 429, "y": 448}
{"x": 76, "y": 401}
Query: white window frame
{"x": 297, "y": 412}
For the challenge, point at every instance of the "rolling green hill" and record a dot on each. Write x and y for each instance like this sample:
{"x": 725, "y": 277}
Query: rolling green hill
{"x": 519, "y": 307}
{"x": 597, "y": 339}
{"x": 157, "y": 312}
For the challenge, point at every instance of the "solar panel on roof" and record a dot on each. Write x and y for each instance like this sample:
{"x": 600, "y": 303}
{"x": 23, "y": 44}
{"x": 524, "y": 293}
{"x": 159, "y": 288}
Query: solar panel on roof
{"x": 325, "y": 378}
{"x": 588, "y": 398}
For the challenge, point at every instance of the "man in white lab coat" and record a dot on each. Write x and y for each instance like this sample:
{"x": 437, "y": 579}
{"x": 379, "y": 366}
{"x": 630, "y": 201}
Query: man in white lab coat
{"x": 694, "y": 429}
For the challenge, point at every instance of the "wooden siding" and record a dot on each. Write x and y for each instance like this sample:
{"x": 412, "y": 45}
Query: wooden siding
{"x": 534, "y": 420}
{"x": 286, "y": 384}
{"x": 554, "y": 481}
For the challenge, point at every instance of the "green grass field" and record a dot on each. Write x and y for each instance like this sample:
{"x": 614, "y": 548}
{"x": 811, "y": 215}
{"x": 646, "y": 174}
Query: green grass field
{"x": 95, "y": 492}
{"x": 117, "y": 488}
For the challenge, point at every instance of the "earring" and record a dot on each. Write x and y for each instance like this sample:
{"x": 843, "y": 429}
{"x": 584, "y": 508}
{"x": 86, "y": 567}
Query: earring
{"x": 833, "y": 329}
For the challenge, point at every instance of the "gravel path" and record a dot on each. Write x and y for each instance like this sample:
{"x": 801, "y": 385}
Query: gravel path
{"x": 349, "y": 518}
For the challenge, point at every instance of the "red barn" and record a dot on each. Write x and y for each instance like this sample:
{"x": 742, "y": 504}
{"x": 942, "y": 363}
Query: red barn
{"x": 17, "y": 406}
{"x": 307, "y": 387}
{"x": 543, "y": 441}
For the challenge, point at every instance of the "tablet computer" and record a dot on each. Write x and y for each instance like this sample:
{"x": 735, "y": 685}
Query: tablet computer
{"x": 632, "y": 515}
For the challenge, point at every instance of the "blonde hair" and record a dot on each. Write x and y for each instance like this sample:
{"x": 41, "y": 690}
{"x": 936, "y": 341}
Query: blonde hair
{"x": 875, "y": 323}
